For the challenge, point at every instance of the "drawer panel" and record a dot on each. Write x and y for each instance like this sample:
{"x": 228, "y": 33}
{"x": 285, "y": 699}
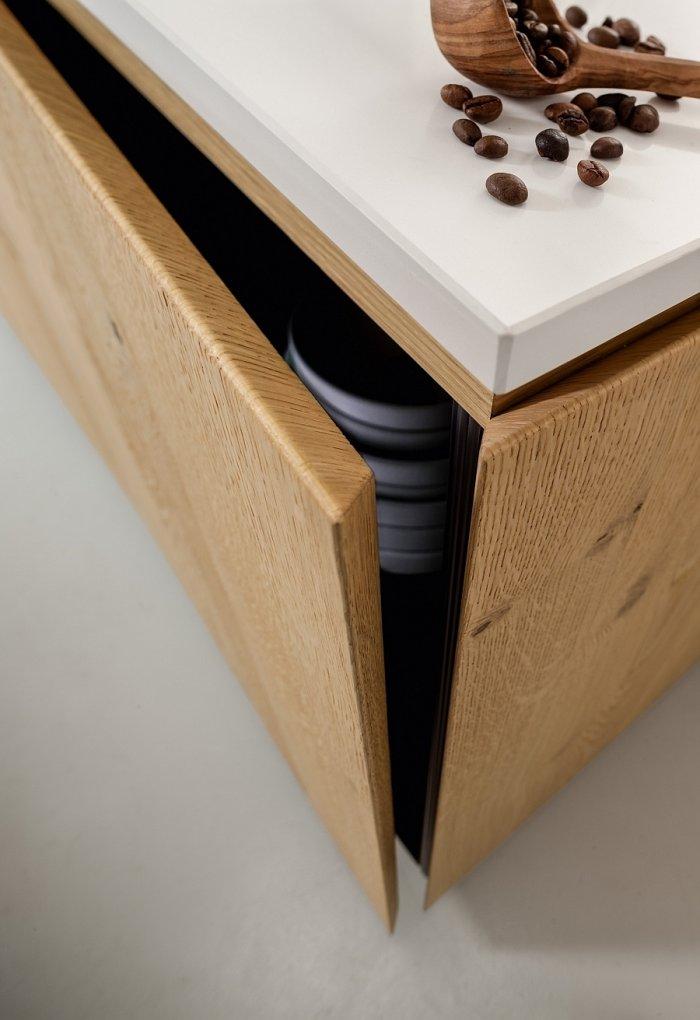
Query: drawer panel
{"x": 582, "y": 589}
{"x": 264, "y": 509}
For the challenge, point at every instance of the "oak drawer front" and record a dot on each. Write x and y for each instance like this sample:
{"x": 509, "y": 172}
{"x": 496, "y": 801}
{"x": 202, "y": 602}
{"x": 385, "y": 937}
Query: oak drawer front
{"x": 262, "y": 506}
{"x": 582, "y": 590}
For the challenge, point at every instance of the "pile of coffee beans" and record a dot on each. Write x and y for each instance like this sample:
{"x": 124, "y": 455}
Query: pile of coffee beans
{"x": 550, "y": 47}
{"x": 546, "y": 44}
{"x": 603, "y": 114}
{"x": 614, "y": 32}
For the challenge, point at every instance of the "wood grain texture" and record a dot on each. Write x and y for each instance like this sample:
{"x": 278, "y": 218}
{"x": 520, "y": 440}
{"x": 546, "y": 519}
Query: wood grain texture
{"x": 478, "y": 39}
{"x": 414, "y": 339}
{"x": 262, "y": 506}
{"x": 582, "y": 593}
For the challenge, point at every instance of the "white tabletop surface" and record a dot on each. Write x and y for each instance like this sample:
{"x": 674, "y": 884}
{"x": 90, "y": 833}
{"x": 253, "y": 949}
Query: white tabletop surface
{"x": 337, "y": 104}
{"x": 158, "y": 861}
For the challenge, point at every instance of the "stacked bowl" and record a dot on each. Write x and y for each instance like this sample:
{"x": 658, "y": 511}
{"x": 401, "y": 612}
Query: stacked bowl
{"x": 391, "y": 411}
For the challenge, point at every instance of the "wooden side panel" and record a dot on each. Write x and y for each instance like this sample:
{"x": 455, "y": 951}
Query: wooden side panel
{"x": 582, "y": 597}
{"x": 262, "y": 506}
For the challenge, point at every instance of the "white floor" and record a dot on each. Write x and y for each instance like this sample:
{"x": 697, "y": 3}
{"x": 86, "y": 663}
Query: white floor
{"x": 157, "y": 860}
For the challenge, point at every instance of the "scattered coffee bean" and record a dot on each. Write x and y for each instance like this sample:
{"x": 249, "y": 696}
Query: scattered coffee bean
{"x": 607, "y": 22}
{"x": 455, "y": 95}
{"x": 527, "y": 14}
{"x": 492, "y": 147}
{"x": 576, "y": 16}
{"x": 624, "y": 110}
{"x": 592, "y": 173}
{"x": 606, "y": 148}
{"x": 667, "y": 98}
{"x": 484, "y": 109}
{"x": 467, "y": 131}
{"x": 644, "y": 119}
{"x": 612, "y": 99}
{"x": 552, "y": 144}
{"x": 547, "y": 67}
{"x": 573, "y": 122}
{"x": 652, "y": 44}
{"x": 603, "y": 118}
{"x": 512, "y": 9}
{"x": 603, "y": 36}
{"x": 585, "y": 101}
{"x": 628, "y": 31}
{"x": 527, "y": 47}
{"x": 507, "y": 188}
{"x": 555, "y": 109}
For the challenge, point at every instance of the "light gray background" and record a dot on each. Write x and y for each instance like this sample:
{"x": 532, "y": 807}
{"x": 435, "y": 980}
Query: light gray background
{"x": 157, "y": 859}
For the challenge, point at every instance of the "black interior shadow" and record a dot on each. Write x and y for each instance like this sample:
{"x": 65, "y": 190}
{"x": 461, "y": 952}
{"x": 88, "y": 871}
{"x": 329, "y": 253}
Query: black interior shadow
{"x": 613, "y": 860}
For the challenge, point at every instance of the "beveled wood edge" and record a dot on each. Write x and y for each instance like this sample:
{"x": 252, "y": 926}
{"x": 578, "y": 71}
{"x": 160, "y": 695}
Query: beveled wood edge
{"x": 471, "y": 394}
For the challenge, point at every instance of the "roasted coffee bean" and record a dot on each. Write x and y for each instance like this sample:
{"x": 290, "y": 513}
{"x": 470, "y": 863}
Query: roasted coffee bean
{"x": 576, "y": 16}
{"x": 558, "y": 56}
{"x": 537, "y": 31}
{"x": 652, "y": 44}
{"x": 455, "y": 95}
{"x": 527, "y": 47}
{"x": 592, "y": 173}
{"x": 552, "y": 111}
{"x": 467, "y": 131}
{"x": 527, "y": 14}
{"x": 607, "y": 22}
{"x": 603, "y": 118}
{"x": 667, "y": 98}
{"x": 644, "y": 119}
{"x": 624, "y": 110}
{"x": 628, "y": 31}
{"x": 566, "y": 41}
{"x": 607, "y": 148}
{"x": 547, "y": 67}
{"x": 492, "y": 147}
{"x": 552, "y": 144}
{"x": 585, "y": 101}
{"x": 603, "y": 36}
{"x": 483, "y": 108}
{"x": 612, "y": 99}
{"x": 573, "y": 122}
{"x": 512, "y": 8}
{"x": 507, "y": 188}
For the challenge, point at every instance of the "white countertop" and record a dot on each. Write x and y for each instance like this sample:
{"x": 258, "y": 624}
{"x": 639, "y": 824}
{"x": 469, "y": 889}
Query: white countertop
{"x": 337, "y": 104}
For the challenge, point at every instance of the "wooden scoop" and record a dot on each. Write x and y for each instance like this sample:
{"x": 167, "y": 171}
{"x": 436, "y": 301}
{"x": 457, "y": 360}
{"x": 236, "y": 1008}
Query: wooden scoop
{"x": 478, "y": 38}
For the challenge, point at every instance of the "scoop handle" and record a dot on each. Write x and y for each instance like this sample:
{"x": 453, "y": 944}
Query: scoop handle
{"x": 600, "y": 67}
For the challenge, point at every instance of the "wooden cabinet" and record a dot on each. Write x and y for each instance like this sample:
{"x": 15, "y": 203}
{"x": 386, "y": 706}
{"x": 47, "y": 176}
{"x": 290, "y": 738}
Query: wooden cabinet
{"x": 580, "y": 597}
